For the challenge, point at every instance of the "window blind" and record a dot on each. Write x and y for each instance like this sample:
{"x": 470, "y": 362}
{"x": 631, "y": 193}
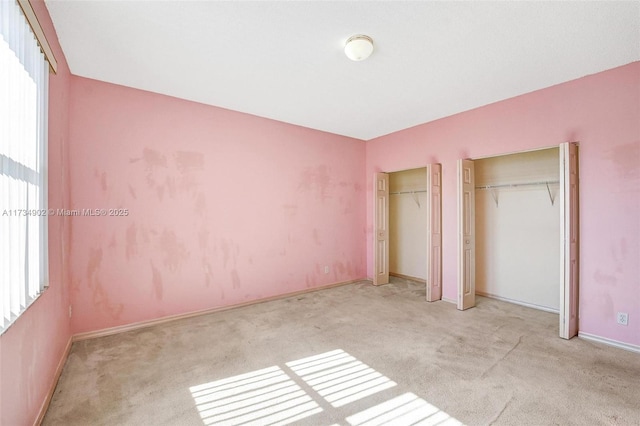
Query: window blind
{"x": 23, "y": 159}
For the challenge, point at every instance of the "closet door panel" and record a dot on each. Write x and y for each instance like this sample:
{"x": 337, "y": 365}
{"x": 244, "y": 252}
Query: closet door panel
{"x": 466, "y": 235}
{"x": 381, "y": 229}
{"x": 569, "y": 240}
{"x": 434, "y": 232}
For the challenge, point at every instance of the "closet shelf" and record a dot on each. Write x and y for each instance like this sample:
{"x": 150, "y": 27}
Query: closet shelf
{"x": 552, "y": 197}
{"x": 407, "y": 192}
{"x": 515, "y": 185}
{"x": 414, "y": 193}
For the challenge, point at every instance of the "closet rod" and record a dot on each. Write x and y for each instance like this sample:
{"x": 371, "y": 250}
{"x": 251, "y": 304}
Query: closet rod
{"x": 513, "y": 185}
{"x": 407, "y": 192}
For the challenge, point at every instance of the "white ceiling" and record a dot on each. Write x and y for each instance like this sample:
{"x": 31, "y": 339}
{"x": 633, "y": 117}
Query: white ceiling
{"x": 284, "y": 60}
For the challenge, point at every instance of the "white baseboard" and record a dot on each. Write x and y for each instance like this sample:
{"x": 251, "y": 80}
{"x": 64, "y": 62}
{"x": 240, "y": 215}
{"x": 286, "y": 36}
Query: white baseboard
{"x": 610, "y": 342}
{"x": 54, "y": 382}
{"x": 517, "y": 302}
{"x": 407, "y": 277}
{"x": 149, "y": 323}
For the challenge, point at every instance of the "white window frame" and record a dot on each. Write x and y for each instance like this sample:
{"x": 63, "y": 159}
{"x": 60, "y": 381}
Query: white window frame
{"x": 24, "y": 81}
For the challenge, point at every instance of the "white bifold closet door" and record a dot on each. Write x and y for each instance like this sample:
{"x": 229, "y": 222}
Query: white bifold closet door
{"x": 569, "y": 240}
{"x": 434, "y": 232}
{"x": 381, "y": 229}
{"x": 466, "y": 235}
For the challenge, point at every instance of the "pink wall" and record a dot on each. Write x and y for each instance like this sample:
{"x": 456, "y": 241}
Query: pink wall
{"x": 32, "y": 348}
{"x": 224, "y": 207}
{"x": 600, "y": 111}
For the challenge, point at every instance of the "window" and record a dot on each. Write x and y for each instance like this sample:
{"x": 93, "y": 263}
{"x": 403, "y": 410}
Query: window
{"x": 24, "y": 76}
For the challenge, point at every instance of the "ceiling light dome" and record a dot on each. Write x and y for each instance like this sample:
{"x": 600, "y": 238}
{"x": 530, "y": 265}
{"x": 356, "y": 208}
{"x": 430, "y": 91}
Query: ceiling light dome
{"x": 359, "y": 47}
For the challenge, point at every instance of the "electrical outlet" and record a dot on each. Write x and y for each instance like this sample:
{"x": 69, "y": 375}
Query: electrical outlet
{"x": 70, "y": 310}
{"x": 326, "y": 269}
{"x": 622, "y": 318}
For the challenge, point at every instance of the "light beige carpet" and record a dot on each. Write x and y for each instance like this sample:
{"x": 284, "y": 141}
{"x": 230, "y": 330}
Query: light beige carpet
{"x": 351, "y": 355}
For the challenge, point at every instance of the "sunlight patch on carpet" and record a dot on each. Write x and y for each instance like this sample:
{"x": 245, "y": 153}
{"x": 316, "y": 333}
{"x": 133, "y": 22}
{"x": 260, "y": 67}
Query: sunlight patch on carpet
{"x": 406, "y": 409}
{"x": 267, "y": 396}
{"x": 340, "y": 378}
{"x": 281, "y": 395}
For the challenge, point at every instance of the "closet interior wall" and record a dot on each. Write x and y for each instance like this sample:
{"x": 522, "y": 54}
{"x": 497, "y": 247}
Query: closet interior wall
{"x": 518, "y": 228}
{"x": 408, "y": 223}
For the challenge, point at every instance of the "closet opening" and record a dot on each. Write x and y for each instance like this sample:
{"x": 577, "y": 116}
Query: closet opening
{"x": 408, "y": 227}
{"x": 408, "y": 224}
{"x": 518, "y": 231}
{"x": 517, "y": 224}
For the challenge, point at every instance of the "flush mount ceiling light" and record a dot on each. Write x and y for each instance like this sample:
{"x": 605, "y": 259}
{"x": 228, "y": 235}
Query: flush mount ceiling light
{"x": 359, "y": 47}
